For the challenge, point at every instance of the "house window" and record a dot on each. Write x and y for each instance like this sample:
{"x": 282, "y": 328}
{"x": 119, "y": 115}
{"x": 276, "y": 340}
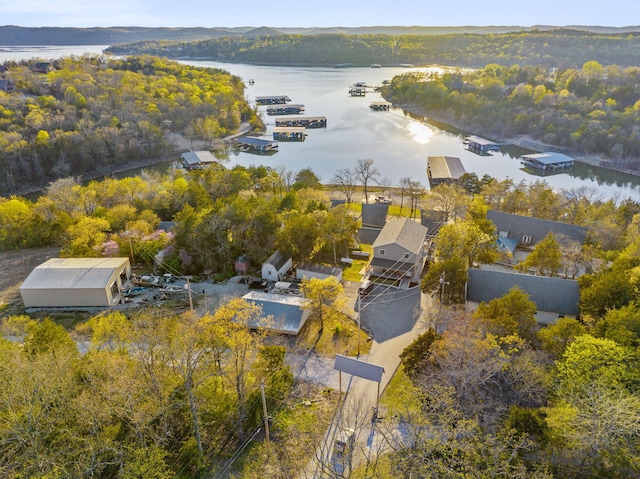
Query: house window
{"x": 503, "y": 234}
{"x": 382, "y": 252}
{"x": 405, "y": 256}
{"x": 526, "y": 239}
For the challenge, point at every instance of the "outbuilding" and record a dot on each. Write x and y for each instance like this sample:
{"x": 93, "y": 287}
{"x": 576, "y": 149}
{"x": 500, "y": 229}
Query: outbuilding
{"x": 312, "y": 270}
{"x": 76, "y": 282}
{"x": 276, "y": 267}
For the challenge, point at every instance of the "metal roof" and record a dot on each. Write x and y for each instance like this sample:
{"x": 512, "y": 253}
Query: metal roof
{"x": 281, "y": 313}
{"x": 358, "y": 368}
{"x": 252, "y": 140}
{"x": 198, "y": 157}
{"x": 319, "y": 268}
{"x": 77, "y": 273}
{"x": 445, "y": 167}
{"x": 479, "y": 141}
{"x": 549, "y": 158}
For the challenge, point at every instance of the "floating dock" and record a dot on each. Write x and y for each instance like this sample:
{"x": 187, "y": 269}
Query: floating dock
{"x": 285, "y": 110}
{"x": 357, "y": 90}
{"x": 193, "y": 160}
{"x": 256, "y": 145}
{"x": 444, "y": 169}
{"x": 272, "y": 100}
{"x": 380, "y": 106}
{"x": 547, "y": 162}
{"x": 305, "y": 121}
{"x": 481, "y": 145}
{"x": 289, "y": 133}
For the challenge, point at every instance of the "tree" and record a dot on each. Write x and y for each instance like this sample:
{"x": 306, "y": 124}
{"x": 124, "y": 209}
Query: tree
{"x": 306, "y": 178}
{"x": 345, "y": 181}
{"x": 366, "y": 172}
{"x": 546, "y": 258}
{"x": 451, "y": 199}
{"x": 86, "y": 237}
{"x": 322, "y": 295}
{"x": 514, "y": 313}
{"x": 554, "y": 338}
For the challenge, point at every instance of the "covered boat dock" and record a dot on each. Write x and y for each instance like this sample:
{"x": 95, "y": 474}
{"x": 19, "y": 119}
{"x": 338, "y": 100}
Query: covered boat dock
{"x": 305, "y": 121}
{"x": 285, "y": 110}
{"x": 197, "y": 159}
{"x": 481, "y": 145}
{"x": 357, "y": 91}
{"x": 444, "y": 169}
{"x": 380, "y": 106}
{"x": 548, "y": 161}
{"x": 261, "y": 145}
{"x": 289, "y": 133}
{"x": 272, "y": 100}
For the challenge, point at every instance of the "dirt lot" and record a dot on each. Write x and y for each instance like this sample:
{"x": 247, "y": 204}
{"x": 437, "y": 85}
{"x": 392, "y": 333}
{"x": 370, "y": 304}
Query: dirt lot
{"x": 15, "y": 266}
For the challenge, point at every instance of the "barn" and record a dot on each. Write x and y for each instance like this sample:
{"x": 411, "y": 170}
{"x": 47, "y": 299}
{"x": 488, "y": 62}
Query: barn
{"x": 76, "y": 282}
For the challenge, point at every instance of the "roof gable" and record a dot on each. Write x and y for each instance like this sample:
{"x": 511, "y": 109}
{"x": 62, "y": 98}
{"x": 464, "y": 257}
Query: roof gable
{"x": 404, "y": 232}
{"x": 77, "y": 273}
{"x": 518, "y": 226}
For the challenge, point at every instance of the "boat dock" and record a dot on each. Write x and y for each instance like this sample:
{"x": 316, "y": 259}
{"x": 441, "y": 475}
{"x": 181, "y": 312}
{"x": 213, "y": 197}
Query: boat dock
{"x": 289, "y": 133}
{"x": 380, "y": 106}
{"x": 285, "y": 110}
{"x": 193, "y": 160}
{"x": 357, "y": 90}
{"x": 305, "y": 121}
{"x": 478, "y": 144}
{"x": 444, "y": 169}
{"x": 272, "y": 100}
{"x": 256, "y": 145}
{"x": 547, "y": 162}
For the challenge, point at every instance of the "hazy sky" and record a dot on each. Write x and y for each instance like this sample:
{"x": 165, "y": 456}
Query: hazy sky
{"x": 312, "y": 13}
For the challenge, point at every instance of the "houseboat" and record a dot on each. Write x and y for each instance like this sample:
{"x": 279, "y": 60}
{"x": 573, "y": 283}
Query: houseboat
{"x": 305, "y": 121}
{"x": 285, "y": 110}
{"x": 251, "y": 144}
{"x": 289, "y": 133}
{"x": 547, "y": 162}
{"x": 380, "y": 106}
{"x": 272, "y": 100}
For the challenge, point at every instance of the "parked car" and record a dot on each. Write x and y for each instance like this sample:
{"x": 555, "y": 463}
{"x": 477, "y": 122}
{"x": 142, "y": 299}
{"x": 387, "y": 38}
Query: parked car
{"x": 257, "y": 283}
{"x": 383, "y": 199}
{"x": 146, "y": 280}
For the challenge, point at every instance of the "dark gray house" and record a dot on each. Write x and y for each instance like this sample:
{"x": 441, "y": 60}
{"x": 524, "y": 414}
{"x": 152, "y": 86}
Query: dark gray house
{"x": 515, "y": 230}
{"x": 554, "y": 297}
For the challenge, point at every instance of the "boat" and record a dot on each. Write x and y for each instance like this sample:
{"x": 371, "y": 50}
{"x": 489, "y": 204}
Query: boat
{"x": 376, "y": 65}
{"x": 135, "y": 291}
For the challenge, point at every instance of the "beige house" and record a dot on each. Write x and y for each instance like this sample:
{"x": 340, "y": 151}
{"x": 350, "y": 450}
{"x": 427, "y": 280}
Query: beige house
{"x": 399, "y": 252}
{"x": 76, "y": 282}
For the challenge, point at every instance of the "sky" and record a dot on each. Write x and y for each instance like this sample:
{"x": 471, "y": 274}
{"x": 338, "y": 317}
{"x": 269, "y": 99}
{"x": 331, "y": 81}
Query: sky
{"x": 316, "y": 13}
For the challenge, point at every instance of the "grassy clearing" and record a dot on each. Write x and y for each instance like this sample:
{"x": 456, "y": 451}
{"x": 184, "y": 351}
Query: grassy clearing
{"x": 353, "y": 271}
{"x": 401, "y": 397}
{"x": 340, "y": 335}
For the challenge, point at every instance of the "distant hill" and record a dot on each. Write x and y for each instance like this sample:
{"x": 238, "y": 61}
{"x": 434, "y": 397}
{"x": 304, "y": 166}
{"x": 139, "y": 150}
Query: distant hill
{"x": 15, "y": 35}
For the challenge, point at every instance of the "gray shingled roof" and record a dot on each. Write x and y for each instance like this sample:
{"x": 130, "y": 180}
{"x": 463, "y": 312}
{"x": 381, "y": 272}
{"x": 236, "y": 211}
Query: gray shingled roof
{"x": 517, "y": 226}
{"x": 374, "y": 214}
{"x": 404, "y": 232}
{"x": 278, "y": 260}
{"x": 550, "y": 294}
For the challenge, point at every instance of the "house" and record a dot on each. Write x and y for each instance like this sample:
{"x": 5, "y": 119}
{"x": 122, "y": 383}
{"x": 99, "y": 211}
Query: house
{"x": 554, "y": 297}
{"x": 197, "y": 159}
{"x": 42, "y": 67}
{"x": 444, "y": 169}
{"x": 399, "y": 253}
{"x": 311, "y": 270}
{"x": 7, "y": 85}
{"x": 374, "y": 217}
{"x": 524, "y": 231}
{"x": 276, "y": 267}
{"x": 281, "y": 313}
{"x": 4, "y": 71}
{"x": 76, "y": 282}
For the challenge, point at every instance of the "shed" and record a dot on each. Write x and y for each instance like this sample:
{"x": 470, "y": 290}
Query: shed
{"x": 281, "y": 313}
{"x": 7, "y": 85}
{"x": 276, "y": 267}
{"x": 312, "y": 270}
{"x": 242, "y": 264}
{"x": 75, "y": 282}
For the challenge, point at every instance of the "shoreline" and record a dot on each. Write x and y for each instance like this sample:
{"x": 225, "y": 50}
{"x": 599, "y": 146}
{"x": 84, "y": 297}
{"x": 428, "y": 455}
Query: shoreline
{"x": 522, "y": 141}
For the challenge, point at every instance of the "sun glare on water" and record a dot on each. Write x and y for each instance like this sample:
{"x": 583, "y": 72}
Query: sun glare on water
{"x": 420, "y": 132}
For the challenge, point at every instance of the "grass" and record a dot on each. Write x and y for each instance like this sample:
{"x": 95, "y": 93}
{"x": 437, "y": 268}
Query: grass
{"x": 340, "y": 335}
{"x": 352, "y": 271}
{"x": 401, "y": 397}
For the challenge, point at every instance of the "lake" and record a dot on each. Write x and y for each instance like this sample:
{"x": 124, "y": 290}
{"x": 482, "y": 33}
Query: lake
{"x": 399, "y": 143}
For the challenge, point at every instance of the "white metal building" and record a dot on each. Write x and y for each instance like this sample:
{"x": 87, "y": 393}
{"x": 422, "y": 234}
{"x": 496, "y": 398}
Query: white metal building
{"x": 75, "y": 282}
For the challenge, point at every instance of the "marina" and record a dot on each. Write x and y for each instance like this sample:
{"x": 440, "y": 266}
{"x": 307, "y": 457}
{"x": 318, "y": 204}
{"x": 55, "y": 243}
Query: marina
{"x": 305, "y": 121}
{"x": 289, "y": 133}
{"x": 285, "y": 110}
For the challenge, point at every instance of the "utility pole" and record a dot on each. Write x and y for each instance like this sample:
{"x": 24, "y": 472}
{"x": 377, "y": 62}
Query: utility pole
{"x": 359, "y": 306}
{"x": 189, "y": 292}
{"x": 442, "y": 285}
{"x": 266, "y": 416}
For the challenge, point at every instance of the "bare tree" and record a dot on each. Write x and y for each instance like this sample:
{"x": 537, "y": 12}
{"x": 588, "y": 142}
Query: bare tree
{"x": 405, "y": 186}
{"x": 385, "y": 183}
{"x": 366, "y": 172}
{"x": 345, "y": 181}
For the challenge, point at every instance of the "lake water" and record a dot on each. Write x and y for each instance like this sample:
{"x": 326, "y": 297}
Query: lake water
{"x": 398, "y": 143}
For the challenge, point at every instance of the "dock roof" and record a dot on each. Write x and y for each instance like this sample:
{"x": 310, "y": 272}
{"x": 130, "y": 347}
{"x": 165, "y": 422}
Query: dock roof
{"x": 445, "y": 167}
{"x": 253, "y": 141}
{"x": 549, "y": 158}
{"x": 289, "y": 129}
{"x": 198, "y": 157}
{"x": 479, "y": 141}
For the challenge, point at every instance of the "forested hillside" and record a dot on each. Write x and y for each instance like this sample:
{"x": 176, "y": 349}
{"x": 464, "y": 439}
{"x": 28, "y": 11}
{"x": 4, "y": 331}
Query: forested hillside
{"x": 555, "y": 48}
{"x": 98, "y": 113}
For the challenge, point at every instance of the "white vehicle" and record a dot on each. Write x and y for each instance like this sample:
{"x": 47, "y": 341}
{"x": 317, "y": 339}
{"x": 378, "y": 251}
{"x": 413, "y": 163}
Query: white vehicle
{"x": 383, "y": 200}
